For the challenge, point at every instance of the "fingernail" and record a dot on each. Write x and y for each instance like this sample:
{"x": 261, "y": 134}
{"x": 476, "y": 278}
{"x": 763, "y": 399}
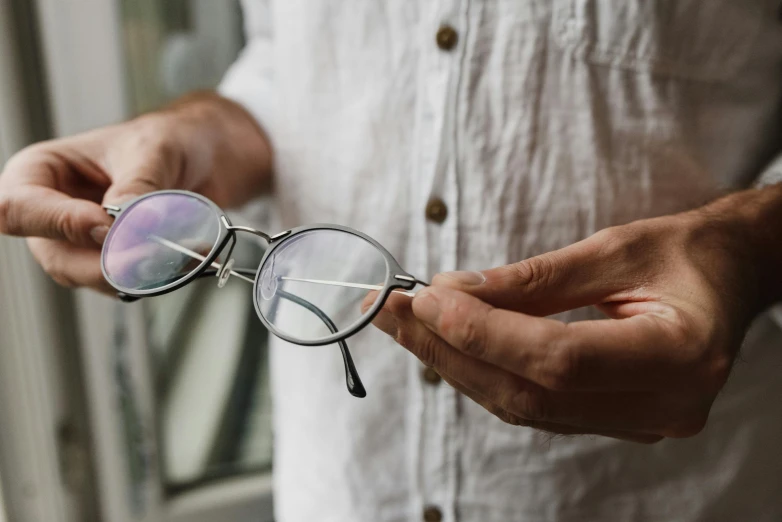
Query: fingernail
{"x": 99, "y": 234}
{"x": 426, "y": 307}
{"x": 466, "y": 278}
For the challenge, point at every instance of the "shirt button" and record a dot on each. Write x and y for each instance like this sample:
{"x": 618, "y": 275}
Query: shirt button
{"x": 431, "y": 376}
{"x": 433, "y": 514}
{"x": 436, "y": 210}
{"x": 447, "y": 37}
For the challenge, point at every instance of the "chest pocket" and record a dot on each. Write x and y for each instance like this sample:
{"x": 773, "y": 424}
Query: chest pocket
{"x": 706, "y": 40}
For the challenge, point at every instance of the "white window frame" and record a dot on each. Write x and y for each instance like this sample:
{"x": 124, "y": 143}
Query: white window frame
{"x": 83, "y": 64}
{"x": 34, "y": 396}
{"x": 2, "y": 504}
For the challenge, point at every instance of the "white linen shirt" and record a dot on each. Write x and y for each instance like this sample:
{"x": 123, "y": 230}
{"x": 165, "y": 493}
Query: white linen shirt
{"x": 547, "y": 121}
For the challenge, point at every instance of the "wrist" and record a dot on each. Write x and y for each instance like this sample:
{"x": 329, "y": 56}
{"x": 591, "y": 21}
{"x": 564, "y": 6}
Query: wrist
{"x": 223, "y": 140}
{"x": 752, "y": 222}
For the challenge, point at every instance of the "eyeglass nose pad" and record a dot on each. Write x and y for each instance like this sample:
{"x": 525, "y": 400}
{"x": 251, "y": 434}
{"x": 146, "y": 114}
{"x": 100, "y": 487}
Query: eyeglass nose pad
{"x": 224, "y": 273}
{"x": 269, "y": 281}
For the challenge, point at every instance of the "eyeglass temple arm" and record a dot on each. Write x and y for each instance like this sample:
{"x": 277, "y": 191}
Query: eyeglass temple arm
{"x": 354, "y": 384}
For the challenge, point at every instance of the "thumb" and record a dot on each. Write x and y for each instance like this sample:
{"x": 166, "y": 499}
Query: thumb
{"x": 573, "y": 277}
{"x": 138, "y": 172}
{"x": 127, "y": 188}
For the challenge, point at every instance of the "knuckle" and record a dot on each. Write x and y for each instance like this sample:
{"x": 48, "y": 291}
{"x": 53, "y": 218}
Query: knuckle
{"x": 510, "y": 418}
{"x": 622, "y": 243}
{"x": 710, "y": 368}
{"x": 611, "y": 239}
{"x": 678, "y": 333}
{"x": 715, "y": 362}
{"x": 51, "y": 262}
{"x": 163, "y": 147}
{"x": 534, "y": 273}
{"x": 168, "y": 154}
{"x": 562, "y": 367}
{"x": 718, "y": 370}
{"x": 427, "y": 349}
{"x": 466, "y": 332}
{"x": 398, "y": 306}
{"x": 530, "y": 405}
{"x": 66, "y": 224}
{"x": 63, "y": 280}
{"x": 46, "y": 260}
{"x": 472, "y": 341}
{"x": 141, "y": 184}
{"x": 36, "y": 150}
{"x": 403, "y": 338}
{"x": 707, "y": 359}
{"x": 141, "y": 134}
{"x": 7, "y": 224}
{"x": 506, "y": 416}
{"x": 524, "y": 271}
{"x": 31, "y": 153}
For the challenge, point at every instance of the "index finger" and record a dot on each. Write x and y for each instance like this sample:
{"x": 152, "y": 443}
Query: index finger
{"x": 628, "y": 354}
{"x": 31, "y": 205}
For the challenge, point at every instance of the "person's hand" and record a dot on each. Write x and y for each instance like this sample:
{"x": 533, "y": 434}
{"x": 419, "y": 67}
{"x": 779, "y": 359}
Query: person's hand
{"x": 52, "y": 192}
{"x": 679, "y": 293}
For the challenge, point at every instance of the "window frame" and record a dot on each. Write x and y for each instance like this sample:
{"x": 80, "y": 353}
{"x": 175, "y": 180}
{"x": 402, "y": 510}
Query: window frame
{"x": 43, "y": 455}
{"x": 83, "y": 63}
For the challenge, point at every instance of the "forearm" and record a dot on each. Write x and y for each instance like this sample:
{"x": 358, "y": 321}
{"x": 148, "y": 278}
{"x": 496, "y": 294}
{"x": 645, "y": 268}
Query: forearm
{"x": 754, "y": 218}
{"x": 220, "y": 136}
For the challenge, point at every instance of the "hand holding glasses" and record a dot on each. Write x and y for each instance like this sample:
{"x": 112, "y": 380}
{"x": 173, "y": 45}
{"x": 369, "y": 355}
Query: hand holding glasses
{"x": 310, "y": 289}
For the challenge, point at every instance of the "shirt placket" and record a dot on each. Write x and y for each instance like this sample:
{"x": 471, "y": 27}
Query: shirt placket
{"x": 434, "y": 189}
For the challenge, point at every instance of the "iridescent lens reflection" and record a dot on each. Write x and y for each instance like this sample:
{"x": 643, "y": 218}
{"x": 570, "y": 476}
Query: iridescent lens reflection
{"x": 159, "y": 240}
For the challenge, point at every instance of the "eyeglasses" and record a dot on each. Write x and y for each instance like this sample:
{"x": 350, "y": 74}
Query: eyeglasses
{"x": 316, "y": 284}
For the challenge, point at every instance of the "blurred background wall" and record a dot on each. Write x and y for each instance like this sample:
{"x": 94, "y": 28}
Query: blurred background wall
{"x": 112, "y": 412}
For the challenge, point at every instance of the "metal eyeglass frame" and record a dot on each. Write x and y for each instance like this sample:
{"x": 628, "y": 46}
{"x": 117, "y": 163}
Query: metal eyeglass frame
{"x": 397, "y": 279}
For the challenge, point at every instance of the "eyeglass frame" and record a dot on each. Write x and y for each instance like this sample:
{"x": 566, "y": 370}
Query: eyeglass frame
{"x": 396, "y": 277}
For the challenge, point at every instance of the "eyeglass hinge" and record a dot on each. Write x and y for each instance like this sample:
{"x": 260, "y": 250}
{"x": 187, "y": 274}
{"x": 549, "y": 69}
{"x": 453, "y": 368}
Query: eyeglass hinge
{"x": 410, "y": 279}
{"x": 275, "y": 237}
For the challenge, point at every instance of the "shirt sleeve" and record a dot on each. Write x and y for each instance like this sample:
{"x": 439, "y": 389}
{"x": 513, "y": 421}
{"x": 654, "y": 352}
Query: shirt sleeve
{"x": 249, "y": 81}
{"x": 771, "y": 176}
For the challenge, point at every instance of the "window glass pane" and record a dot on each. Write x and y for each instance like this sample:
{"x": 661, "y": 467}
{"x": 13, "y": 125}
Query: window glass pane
{"x": 2, "y": 506}
{"x": 176, "y": 46}
{"x": 209, "y": 352}
{"x": 208, "y": 347}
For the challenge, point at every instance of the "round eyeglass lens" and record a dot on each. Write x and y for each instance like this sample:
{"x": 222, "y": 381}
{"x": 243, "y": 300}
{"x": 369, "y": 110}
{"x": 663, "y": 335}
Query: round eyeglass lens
{"x": 316, "y": 283}
{"x": 159, "y": 240}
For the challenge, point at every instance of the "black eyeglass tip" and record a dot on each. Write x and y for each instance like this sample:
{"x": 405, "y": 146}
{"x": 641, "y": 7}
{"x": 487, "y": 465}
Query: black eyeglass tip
{"x": 125, "y": 298}
{"x": 357, "y": 390}
{"x": 353, "y": 381}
